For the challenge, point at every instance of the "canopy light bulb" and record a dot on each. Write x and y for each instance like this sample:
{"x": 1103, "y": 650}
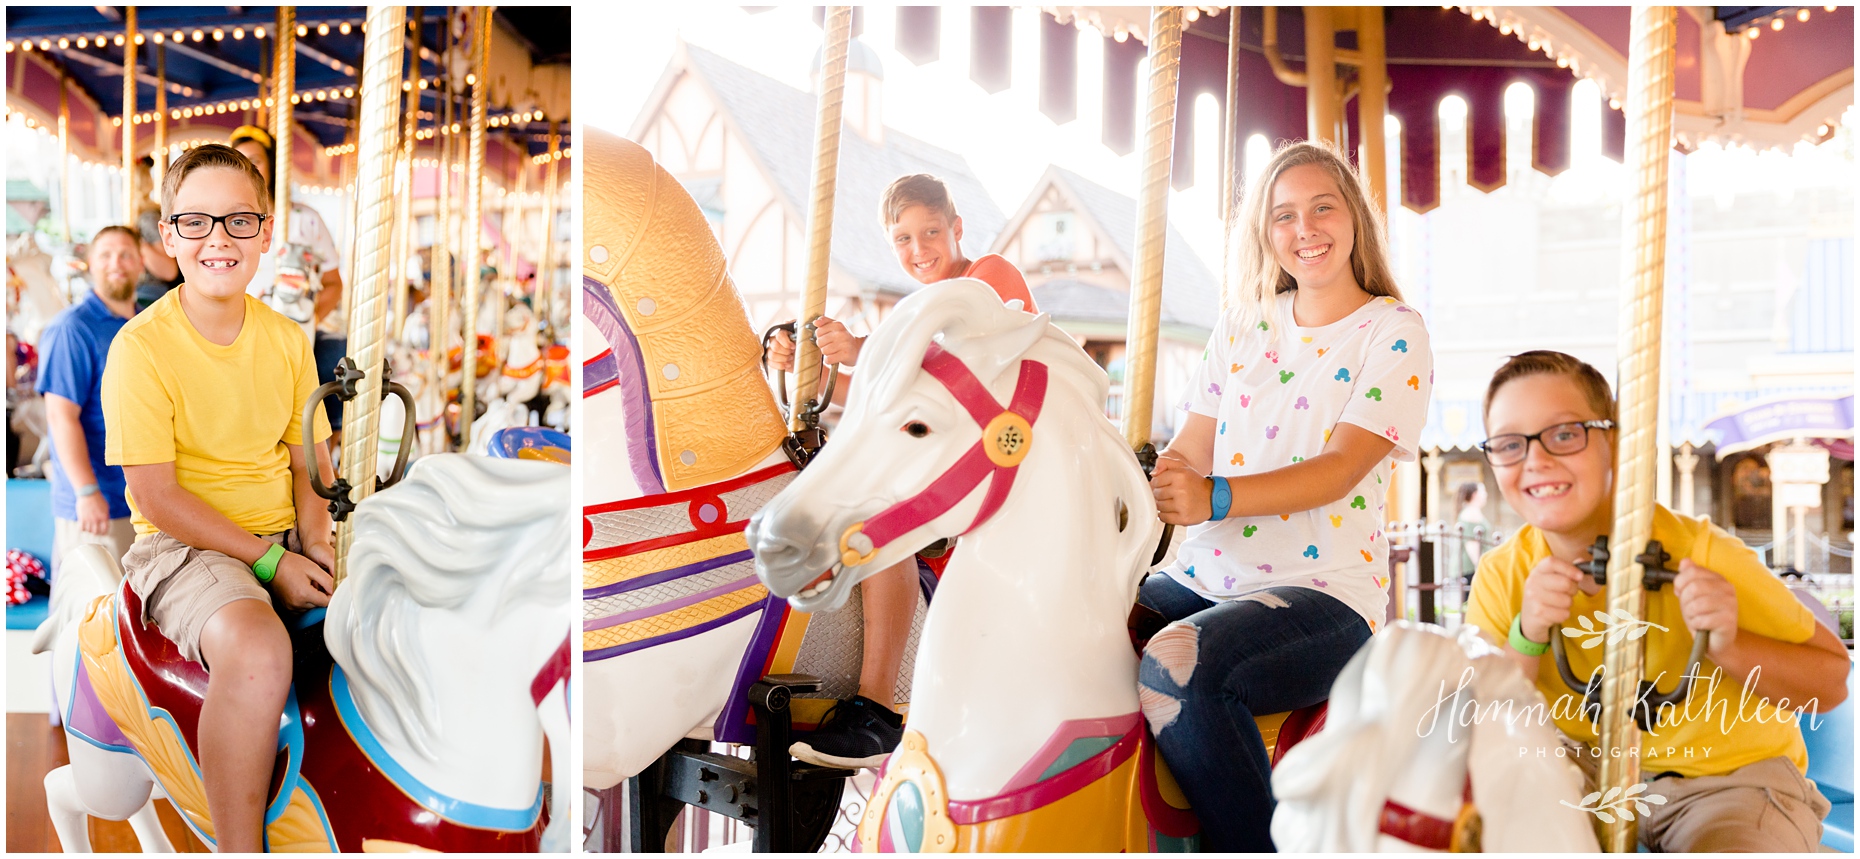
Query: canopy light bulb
{"x": 1802, "y": 15}
{"x": 1753, "y": 33}
{"x": 119, "y": 41}
{"x": 344, "y": 29}
{"x": 219, "y": 35}
{"x": 82, "y": 43}
{"x": 322, "y": 29}
{"x": 303, "y": 30}
{"x": 1776, "y": 23}
{"x": 238, "y": 33}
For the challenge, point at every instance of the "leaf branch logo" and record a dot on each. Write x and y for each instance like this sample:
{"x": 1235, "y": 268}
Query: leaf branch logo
{"x": 1617, "y": 802}
{"x": 1614, "y": 628}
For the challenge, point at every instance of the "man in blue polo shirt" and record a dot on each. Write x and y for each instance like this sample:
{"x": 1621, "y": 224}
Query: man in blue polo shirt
{"x": 88, "y": 504}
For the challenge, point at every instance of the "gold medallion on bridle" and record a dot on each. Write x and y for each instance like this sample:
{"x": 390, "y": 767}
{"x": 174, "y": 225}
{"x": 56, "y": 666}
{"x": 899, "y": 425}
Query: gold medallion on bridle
{"x": 1006, "y": 439}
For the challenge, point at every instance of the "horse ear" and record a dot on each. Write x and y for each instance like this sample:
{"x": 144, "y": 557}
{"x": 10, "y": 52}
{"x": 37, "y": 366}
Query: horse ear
{"x": 990, "y": 354}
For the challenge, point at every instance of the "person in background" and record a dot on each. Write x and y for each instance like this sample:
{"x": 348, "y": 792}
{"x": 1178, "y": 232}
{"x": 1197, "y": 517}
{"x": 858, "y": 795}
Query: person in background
{"x": 87, "y": 495}
{"x": 159, "y": 271}
{"x": 1472, "y": 524}
{"x": 308, "y": 235}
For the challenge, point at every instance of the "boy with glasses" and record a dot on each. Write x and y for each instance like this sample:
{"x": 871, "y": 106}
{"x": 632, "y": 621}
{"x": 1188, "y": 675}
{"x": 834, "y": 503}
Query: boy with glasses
{"x": 201, "y": 398}
{"x": 1729, "y": 763}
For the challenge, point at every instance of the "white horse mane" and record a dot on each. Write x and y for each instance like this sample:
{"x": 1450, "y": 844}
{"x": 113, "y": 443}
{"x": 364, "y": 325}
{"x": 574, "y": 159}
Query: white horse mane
{"x": 454, "y": 527}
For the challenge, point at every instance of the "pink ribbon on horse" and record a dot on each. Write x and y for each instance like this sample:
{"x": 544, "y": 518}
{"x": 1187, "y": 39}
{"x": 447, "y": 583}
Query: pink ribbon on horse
{"x": 1007, "y": 434}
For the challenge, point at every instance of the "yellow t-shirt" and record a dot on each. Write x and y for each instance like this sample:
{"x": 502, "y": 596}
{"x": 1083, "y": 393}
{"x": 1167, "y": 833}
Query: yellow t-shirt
{"x": 1718, "y": 730}
{"x": 221, "y": 414}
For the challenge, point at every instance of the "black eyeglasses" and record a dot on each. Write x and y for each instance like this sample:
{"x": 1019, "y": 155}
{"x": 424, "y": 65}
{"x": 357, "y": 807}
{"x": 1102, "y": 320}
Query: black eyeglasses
{"x": 1559, "y": 440}
{"x": 199, "y": 225}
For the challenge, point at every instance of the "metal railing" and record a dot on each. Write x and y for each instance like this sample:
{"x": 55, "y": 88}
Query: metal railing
{"x": 1431, "y": 566}
{"x": 697, "y": 830}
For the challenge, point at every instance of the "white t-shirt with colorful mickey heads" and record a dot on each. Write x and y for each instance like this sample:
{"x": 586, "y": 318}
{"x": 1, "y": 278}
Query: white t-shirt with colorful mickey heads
{"x": 1275, "y": 403}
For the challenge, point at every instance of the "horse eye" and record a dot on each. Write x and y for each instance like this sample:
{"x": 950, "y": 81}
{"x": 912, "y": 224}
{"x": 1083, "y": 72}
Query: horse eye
{"x": 917, "y": 429}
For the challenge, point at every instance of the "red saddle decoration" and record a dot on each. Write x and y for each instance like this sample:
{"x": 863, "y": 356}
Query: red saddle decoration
{"x": 357, "y": 800}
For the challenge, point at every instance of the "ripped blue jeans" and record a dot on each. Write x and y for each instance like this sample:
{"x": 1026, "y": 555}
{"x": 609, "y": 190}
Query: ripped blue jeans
{"x": 1203, "y": 681}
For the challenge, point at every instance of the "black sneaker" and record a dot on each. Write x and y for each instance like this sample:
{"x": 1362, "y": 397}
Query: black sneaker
{"x": 856, "y": 733}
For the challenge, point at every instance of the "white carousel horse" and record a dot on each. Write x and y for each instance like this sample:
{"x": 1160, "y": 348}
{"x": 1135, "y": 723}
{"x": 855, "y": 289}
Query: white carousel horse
{"x": 676, "y": 460}
{"x": 1423, "y": 727}
{"x": 449, "y": 670}
{"x": 523, "y": 373}
{"x": 1024, "y": 665}
{"x": 1026, "y": 682}
{"x": 33, "y": 294}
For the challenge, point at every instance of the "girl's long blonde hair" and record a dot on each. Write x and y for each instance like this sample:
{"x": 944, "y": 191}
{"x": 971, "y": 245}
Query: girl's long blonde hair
{"x": 1259, "y": 280}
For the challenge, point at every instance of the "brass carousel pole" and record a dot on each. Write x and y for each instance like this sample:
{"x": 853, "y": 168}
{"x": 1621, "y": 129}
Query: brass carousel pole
{"x": 283, "y": 84}
{"x": 378, "y": 117}
{"x": 1321, "y": 103}
{"x": 439, "y": 302}
{"x": 1372, "y": 101}
{"x": 403, "y": 184}
{"x": 129, "y": 114}
{"x": 513, "y": 221}
{"x": 474, "y": 221}
{"x": 1152, "y": 225}
{"x": 1232, "y": 148}
{"x": 1650, "y": 135}
{"x": 545, "y": 271}
{"x": 828, "y": 114}
{"x": 159, "y": 154}
{"x": 64, "y": 150}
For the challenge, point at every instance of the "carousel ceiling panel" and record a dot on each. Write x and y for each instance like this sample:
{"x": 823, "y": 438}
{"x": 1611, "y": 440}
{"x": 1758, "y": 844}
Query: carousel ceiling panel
{"x": 1783, "y": 86}
{"x": 213, "y": 59}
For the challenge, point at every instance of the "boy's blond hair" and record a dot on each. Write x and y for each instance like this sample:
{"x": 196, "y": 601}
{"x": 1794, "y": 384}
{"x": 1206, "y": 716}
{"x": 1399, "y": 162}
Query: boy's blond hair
{"x": 211, "y": 155}
{"x": 1543, "y": 362}
{"x": 917, "y": 189}
{"x": 1260, "y": 278}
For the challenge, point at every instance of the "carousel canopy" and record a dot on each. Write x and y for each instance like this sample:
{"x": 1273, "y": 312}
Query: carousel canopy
{"x": 1792, "y": 80}
{"x": 214, "y": 62}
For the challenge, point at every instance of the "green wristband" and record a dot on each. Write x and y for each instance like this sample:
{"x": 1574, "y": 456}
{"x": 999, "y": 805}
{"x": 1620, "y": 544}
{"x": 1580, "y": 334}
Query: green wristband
{"x": 1524, "y": 645}
{"x": 267, "y": 565}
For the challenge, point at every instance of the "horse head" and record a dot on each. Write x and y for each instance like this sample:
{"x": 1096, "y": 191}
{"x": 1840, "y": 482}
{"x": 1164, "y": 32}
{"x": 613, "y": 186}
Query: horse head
{"x": 451, "y": 612}
{"x": 949, "y": 394}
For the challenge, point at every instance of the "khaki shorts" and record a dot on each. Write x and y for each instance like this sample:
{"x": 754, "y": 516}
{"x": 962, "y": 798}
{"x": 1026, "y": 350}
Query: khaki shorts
{"x": 181, "y": 586}
{"x": 1764, "y": 807}
{"x": 68, "y": 535}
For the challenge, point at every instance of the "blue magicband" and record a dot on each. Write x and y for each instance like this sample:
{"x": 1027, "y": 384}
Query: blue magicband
{"x": 1221, "y": 499}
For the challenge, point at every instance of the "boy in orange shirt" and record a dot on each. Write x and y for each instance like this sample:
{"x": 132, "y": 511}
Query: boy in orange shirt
{"x": 925, "y": 232}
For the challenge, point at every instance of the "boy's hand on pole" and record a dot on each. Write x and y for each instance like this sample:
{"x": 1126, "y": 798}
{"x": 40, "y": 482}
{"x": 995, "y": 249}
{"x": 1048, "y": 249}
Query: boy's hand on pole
{"x": 837, "y": 345}
{"x": 781, "y": 352}
{"x": 1707, "y": 601}
{"x": 300, "y": 583}
{"x": 1182, "y": 496}
{"x": 1549, "y": 592}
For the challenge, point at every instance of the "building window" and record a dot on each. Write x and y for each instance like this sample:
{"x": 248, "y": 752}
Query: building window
{"x": 1053, "y": 236}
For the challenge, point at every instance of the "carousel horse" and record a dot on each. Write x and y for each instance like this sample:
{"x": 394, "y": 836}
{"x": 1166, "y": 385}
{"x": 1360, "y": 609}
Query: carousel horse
{"x": 684, "y": 444}
{"x": 293, "y": 291}
{"x": 1027, "y": 634}
{"x": 1425, "y": 727}
{"x": 422, "y": 697}
{"x": 33, "y": 294}
{"x": 522, "y": 376}
{"x": 1026, "y": 732}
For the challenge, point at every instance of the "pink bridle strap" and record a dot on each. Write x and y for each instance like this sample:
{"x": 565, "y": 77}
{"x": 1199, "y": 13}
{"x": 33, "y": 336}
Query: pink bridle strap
{"x": 553, "y": 672}
{"x": 981, "y": 460}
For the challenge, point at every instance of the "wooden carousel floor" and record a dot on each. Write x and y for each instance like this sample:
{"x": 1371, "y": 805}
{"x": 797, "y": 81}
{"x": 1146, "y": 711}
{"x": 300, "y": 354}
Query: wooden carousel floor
{"x": 34, "y": 748}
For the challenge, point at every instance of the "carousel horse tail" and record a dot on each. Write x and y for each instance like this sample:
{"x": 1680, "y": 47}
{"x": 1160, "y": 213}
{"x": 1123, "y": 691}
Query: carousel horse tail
{"x": 657, "y": 287}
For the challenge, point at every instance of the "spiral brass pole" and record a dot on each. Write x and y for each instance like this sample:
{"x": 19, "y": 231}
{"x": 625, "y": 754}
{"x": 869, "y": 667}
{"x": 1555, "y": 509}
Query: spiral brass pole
{"x": 513, "y": 215}
{"x": 64, "y": 150}
{"x": 828, "y": 116}
{"x": 1643, "y": 220}
{"x": 1231, "y": 149}
{"x": 283, "y": 86}
{"x": 129, "y": 115}
{"x": 403, "y": 184}
{"x": 545, "y": 269}
{"x": 473, "y": 228}
{"x": 439, "y": 303}
{"x": 1152, "y": 225}
{"x": 159, "y": 154}
{"x": 376, "y": 146}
